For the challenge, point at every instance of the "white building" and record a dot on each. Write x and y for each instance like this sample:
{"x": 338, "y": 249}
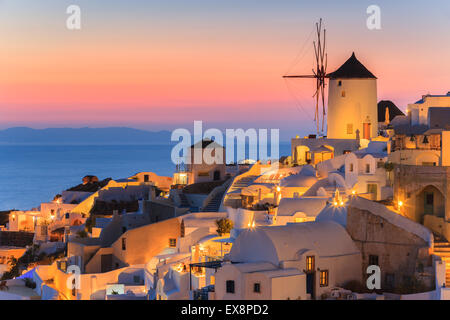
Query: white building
{"x": 296, "y": 261}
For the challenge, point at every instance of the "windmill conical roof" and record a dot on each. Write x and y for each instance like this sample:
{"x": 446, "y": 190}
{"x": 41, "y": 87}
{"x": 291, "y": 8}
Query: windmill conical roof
{"x": 352, "y": 68}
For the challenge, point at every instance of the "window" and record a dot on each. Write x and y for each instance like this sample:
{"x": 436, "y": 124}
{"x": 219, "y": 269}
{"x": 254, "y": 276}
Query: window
{"x": 310, "y": 263}
{"x": 146, "y": 178}
{"x": 340, "y": 83}
{"x": 257, "y": 287}
{"x": 390, "y": 281}
{"x": 230, "y": 286}
{"x": 324, "y": 278}
{"x": 347, "y": 151}
{"x": 343, "y": 94}
{"x": 349, "y": 128}
{"x": 136, "y": 279}
{"x": 367, "y": 168}
{"x": 172, "y": 242}
{"x": 124, "y": 244}
{"x": 373, "y": 260}
{"x": 380, "y": 164}
{"x": 351, "y": 167}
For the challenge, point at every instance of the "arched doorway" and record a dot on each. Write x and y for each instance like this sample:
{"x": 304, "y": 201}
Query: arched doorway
{"x": 430, "y": 201}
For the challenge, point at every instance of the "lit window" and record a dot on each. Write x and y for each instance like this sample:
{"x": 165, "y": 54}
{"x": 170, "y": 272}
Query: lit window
{"x": 351, "y": 167}
{"x": 230, "y": 286}
{"x": 257, "y": 287}
{"x": 324, "y": 278}
{"x": 343, "y": 94}
{"x": 349, "y": 128}
{"x": 172, "y": 242}
{"x": 310, "y": 263}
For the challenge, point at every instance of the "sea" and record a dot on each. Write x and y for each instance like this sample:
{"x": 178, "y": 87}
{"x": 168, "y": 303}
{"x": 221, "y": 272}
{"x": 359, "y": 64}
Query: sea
{"x": 32, "y": 174}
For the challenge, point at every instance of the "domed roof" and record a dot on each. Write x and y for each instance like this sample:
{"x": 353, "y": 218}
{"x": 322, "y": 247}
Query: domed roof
{"x": 332, "y": 213}
{"x": 352, "y": 68}
{"x": 298, "y": 181}
{"x": 280, "y": 243}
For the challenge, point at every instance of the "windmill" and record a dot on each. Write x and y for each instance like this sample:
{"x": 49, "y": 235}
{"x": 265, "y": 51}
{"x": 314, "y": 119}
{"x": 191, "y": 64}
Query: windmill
{"x": 320, "y": 74}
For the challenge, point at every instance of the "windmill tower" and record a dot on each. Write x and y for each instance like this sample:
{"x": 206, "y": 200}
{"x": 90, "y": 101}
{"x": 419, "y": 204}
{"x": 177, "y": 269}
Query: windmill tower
{"x": 352, "y": 96}
{"x": 352, "y": 102}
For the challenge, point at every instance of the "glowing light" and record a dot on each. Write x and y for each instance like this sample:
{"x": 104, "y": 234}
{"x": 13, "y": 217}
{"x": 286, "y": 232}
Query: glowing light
{"x": 400, "y": 204}
{"x": 253, "y": 225}
{"x": 278, "y": 189}
{"x": 335, "y": 203}
{"x": 353, "y": 192}
{"x": 341, "y": 203}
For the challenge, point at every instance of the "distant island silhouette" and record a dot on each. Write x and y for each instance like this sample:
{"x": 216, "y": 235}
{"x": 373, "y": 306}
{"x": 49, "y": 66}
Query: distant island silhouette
{"x": 83, "y": 136}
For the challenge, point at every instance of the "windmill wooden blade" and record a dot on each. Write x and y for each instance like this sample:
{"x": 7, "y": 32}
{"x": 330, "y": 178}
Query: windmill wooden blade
{"x": 319, "y": 73}
{"x": 309, "y": 76}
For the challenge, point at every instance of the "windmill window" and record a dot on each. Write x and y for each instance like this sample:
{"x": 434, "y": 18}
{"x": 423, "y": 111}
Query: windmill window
{"x": 350, "y": 128}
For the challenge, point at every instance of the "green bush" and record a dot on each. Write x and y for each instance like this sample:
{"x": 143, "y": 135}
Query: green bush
{"x": 224, "y": 226}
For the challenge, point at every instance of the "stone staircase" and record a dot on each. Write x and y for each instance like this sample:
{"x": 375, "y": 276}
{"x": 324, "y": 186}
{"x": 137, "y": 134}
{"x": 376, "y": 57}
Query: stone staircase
{"x": 184, "y": 201}
{"x": 214, "y": 204}
{"x": 240, "y": 184}
{"x": 442, "y": 249}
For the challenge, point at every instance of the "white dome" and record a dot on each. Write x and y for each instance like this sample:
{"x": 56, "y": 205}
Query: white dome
{"x": 332, "y": 213}
{"x": 298, "y": 181}
{"x": 281, "y": 243}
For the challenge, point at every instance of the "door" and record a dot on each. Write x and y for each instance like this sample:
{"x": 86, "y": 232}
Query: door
{"x": 106, "y": 262}
{"x": 216, "y": 175}
{"x": 310, "y": 283}
{"x": 311, "y": 275}
{"x": 373, "y": 191}
{"x": 429, "y": 203}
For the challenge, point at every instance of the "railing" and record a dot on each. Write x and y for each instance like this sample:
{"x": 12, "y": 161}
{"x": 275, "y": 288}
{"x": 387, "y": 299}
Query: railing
{"x": 203, "y": 293}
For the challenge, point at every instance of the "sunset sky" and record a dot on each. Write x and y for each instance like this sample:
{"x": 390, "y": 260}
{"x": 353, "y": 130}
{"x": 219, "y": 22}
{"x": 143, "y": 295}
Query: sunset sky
{"x": 163, "y": 64}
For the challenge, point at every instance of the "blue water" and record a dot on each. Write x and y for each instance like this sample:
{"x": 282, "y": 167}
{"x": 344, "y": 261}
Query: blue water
{"x": 30, "y": 175}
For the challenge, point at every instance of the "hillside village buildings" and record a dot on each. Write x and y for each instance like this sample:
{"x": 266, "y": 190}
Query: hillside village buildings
{"x": 374, "y": 192}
